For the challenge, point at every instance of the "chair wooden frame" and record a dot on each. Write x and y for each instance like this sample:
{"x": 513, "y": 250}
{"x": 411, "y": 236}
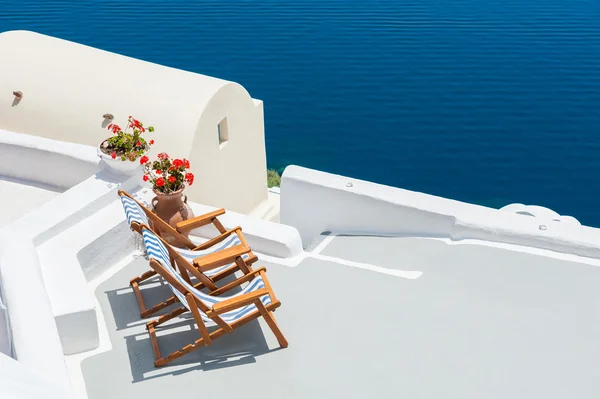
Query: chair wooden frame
{"x": 197, "y": 306}
{"x": 197, "y": 268}
{"x": 186, "y": 226}
{"x": 224, "y": 257}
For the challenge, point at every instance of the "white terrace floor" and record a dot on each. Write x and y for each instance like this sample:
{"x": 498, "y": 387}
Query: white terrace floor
{"x": 18, "y": 197}
{"x": 479, "y": 322}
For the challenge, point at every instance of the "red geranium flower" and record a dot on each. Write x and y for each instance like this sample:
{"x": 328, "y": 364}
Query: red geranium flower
{"x": 186, "y": 163}
{"x": 177, "y": 163}
{"x": 145, "y": 178}
{"x": 158, "y": 172}
{"x": 114, "y": 127}
{"x": 162, "y": 156}
{"x": 160, "y": 182}
{"x": 189, "y": 177}
{"x": 144, "y": 159}
{"x": 126, "y": 144}
{"x": 172, "y": 179}
{"x": 151, "y": 142}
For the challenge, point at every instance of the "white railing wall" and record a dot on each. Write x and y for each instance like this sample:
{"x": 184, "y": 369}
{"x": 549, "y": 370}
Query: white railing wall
{"x": 314, "y": 202}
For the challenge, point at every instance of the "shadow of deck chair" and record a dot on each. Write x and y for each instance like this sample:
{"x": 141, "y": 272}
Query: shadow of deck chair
{"x": 230, "y": 243}
{"x": 256, "y": 299}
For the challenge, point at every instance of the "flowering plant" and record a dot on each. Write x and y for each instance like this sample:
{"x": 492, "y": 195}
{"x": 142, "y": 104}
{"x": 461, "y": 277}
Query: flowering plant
{"x": 127, "y": 145}
{"x": 167, "y": 175}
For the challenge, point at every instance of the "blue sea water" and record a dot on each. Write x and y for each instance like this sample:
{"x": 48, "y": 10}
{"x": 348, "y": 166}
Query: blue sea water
{"x": 485, "y": 101}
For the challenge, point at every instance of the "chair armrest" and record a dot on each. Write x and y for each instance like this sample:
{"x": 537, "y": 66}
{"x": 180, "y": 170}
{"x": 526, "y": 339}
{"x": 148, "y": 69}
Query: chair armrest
{"x": 220, "y": 258}
{"x": 238, "y": 282}
{"x": 218, "y": 238}
{"x": 237, "y": 302}
{"x": 199, "y": 221}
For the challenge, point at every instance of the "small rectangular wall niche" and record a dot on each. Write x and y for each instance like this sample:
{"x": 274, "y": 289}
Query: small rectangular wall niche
{"x": 223, "y": 131}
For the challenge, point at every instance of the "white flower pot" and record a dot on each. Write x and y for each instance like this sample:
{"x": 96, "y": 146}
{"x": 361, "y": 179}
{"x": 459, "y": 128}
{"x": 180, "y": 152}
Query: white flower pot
{"x": 118, "y": 166}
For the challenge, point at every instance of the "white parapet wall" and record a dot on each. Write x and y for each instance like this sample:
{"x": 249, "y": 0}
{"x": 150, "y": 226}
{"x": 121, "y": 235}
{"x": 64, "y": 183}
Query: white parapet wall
{"x": 68, "y": 87}
{"x": 314, "y": 202}
{"x": 28, "y": 157}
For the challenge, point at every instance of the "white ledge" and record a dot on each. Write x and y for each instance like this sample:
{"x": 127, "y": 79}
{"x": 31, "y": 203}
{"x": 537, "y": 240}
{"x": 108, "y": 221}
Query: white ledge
{"x": 314, "y": 202}
{"x": 50, "y": 162}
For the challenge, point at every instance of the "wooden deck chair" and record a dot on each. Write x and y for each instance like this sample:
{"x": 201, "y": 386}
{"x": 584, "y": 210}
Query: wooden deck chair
{"x": 231, "y": 241}
{"x": 138, "y": 214}
{"x": 226, "y": 312}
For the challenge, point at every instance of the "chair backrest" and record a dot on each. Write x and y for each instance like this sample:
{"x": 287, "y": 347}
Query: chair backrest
{"x": 158, "y": 251}
{"x": 140, "y": 215}
{"x": 133, "y": 211}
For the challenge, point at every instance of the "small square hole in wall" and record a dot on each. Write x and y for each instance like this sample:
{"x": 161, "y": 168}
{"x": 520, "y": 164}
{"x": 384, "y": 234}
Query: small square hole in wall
{"x": 223, "y": 131}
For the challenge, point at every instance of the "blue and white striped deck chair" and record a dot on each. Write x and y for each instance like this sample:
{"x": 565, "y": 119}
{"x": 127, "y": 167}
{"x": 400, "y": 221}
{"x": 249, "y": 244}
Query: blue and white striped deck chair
{"x": 226, "y": 312}
{"x": 137, "y": 215}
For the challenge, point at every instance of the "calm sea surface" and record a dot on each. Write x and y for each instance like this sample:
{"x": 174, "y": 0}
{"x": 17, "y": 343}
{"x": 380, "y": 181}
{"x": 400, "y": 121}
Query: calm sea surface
{"x": 486, "y": 101}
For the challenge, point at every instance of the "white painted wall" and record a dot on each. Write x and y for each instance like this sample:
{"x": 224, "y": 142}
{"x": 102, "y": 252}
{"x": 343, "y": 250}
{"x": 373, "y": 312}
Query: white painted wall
{"x": 314, "y": 202}
{"x": 68, "y": 87}
{"x": 50, "y": 162}
{"x": 36, "y": 343}
{"x": 5, "y": 331}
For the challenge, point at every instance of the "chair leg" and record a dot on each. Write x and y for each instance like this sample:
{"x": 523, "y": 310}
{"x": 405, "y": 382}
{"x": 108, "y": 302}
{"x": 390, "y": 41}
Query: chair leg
{"x": 135, "y": 285}
{"x": 198, "y": 318}
{"x": 164, "y": 318}
{"x": 149, "y": 312}
{"x": 187, "y": 349}
{"x": 162, "y": 361}
{"x": 270, "y": 319}
{"x": 138, "y": 295}
{"x": 154, "y": 342}
{"x": 146, "y": 275}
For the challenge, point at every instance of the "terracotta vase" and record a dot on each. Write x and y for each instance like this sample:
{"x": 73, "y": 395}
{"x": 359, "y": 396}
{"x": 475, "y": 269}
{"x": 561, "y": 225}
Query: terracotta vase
{"x": 172, "y": 208}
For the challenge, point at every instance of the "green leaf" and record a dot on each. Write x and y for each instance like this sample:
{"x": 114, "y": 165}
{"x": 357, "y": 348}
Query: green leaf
{"x": 273, "y": 178}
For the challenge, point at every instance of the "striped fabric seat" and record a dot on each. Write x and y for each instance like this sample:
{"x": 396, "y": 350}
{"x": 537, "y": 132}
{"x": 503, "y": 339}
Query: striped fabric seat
{"x": 229, "y": 242}
{"x": 134, "y": 213}
{"x": 157, "y": 250}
